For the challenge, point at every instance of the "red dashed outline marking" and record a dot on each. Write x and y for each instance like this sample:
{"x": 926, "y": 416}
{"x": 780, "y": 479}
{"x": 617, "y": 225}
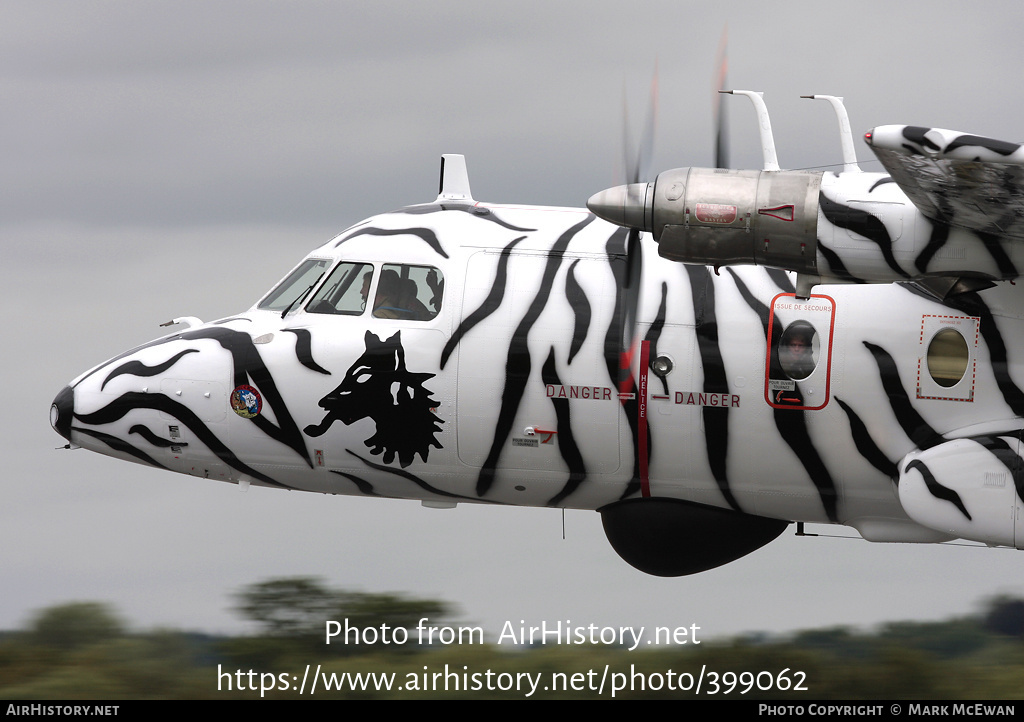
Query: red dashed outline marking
{"x": 974, "y": 360}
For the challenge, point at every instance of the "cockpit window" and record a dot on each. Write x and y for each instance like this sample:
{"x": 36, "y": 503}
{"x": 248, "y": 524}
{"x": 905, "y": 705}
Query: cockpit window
{"x": 298, "y": 283}
{"x": 345, "y": 290}
{"x": 408, "y": 292}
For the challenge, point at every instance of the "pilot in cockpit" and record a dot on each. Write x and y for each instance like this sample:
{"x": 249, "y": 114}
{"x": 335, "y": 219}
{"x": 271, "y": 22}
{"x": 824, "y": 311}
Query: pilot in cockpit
{"x": 385, "y": 303}
{"x": 365, "y": 290}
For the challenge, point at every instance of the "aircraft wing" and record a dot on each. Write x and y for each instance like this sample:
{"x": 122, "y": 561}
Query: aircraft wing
{"x": 956, "y": 178}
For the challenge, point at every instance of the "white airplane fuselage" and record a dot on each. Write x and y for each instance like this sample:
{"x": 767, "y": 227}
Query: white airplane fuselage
{"x": 520, "y": 379}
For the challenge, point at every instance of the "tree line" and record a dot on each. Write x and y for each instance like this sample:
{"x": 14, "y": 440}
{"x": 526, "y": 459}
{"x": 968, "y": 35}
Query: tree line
{"x": 84, "y": 650}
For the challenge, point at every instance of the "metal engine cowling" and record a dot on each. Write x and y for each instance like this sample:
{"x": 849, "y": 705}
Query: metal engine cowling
{"x": 717, "y": 216}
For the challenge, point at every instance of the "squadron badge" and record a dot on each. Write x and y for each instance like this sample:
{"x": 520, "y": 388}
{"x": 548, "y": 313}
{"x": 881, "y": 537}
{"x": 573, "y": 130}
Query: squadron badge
{"x": 246, "y": 401}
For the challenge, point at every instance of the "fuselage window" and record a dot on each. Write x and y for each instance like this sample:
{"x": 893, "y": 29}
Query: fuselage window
{"x": 408, "y": 292}
{"x": 298, "y": 284}
{"x": 948, "y": 357}
{"x": 798, "y": 350}
{"x": 345, "y": 291}
{"x": 799, "y": 353}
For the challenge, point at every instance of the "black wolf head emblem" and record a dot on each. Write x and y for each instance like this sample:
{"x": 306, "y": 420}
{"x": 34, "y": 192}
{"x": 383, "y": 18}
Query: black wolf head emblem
{"x": 379, "y": 386}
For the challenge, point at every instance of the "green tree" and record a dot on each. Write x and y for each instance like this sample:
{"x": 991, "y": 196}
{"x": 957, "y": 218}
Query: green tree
{"x": 299, "y": 607}
{"x": 290, "y": 607}
{"x": 395, "y": 611}
{"x": 75, "y": 625}
{"x": 1005, "y": 616}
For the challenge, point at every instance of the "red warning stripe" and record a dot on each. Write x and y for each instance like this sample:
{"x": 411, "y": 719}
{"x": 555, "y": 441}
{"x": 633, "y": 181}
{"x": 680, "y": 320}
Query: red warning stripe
{"x": 645, "y": 486}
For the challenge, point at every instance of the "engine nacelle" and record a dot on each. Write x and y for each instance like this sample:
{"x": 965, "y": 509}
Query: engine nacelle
{"x": 673, "y": 538}
{"x": 719, "y": 217}
{"x": 852, "y": 227}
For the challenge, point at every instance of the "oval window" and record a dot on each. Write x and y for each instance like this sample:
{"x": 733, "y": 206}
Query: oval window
{"x": 948, "y": 357}
{"x": 798, "y": 350}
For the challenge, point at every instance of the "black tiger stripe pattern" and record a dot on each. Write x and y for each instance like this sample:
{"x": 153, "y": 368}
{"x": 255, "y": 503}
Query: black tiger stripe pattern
{"x": 566, "y": 441}
{"x": 137, "y": 368}
{"x": 792, "y": 423}
{"x": 580, "y": 309}
{"x": 716, "y": 420}
{"x": 912, "y": 423}
{"x": 489, "y": 305}
{"x": 120, "y": 445}
{"x": 518, "y": 363}
{"x": 425, "y": 234}
{"x": 866, "y": 446}
{"x": 479, "y": 212}
{"x": 618, "y": 341}
{"x": 935, "y": 488}
{"x": 304, "y": 350}
{"x": 122, "y": 405}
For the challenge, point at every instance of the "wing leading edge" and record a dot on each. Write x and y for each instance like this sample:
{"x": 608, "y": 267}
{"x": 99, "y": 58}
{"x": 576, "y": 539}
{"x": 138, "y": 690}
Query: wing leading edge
{"x": 955, "y": 178}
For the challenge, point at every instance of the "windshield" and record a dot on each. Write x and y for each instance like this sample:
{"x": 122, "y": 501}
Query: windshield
{"x": 345, "y": 290}
{"x": 298, "y": 283}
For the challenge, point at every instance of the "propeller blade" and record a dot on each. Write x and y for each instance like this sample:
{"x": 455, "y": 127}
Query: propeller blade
{"x": 630, "y": 300}
{"x": 638, "y": 160}
{"x": 626, "y": 204}
{"x": 646, "y": 149}
{"x": 629, "y": 157}
{"x": 721, "y": 141}
{"x": 633, "y": 263}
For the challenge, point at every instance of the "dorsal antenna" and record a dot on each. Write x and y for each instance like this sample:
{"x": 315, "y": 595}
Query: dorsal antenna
{"x": 454, "y": 182}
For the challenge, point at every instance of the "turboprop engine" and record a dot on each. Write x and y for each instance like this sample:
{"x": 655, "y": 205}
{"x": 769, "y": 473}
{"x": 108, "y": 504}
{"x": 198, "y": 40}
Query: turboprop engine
{"x": 946, "y": 214}
{"x": 719, "y": 217}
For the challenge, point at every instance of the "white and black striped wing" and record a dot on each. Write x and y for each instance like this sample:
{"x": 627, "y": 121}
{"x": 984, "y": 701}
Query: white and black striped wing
{"x": 955, "y": 178}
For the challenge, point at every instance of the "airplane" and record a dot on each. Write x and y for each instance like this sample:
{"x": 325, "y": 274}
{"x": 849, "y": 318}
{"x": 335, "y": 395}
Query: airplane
{"x": 704, "y": 359}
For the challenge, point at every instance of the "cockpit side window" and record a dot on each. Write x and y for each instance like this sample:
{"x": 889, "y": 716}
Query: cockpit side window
{"x": 298, "y": 283}
{"x": 345, "y": 291}
{"x": 406, "y": 292}
{"x": 409, "y": 292}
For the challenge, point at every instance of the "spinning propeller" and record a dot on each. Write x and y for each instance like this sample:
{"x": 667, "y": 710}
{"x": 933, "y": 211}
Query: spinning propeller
{"x": 630, "y": 205}
{"x": 638, "y": 163}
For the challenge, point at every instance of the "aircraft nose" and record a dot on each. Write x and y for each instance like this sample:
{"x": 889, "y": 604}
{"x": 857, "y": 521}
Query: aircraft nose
{"x": 62, "y": 410}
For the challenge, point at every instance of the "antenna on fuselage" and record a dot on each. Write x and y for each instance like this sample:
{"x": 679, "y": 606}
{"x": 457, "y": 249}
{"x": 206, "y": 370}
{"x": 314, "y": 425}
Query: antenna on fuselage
{"x": 454, "y": 182}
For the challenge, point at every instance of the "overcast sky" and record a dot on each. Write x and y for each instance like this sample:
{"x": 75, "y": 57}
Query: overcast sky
{"x": 163, "y": 159}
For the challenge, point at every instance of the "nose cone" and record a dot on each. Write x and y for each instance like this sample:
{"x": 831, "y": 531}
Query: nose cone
{"x": 62, "y": 410}
{"x": 627, "y": 205}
